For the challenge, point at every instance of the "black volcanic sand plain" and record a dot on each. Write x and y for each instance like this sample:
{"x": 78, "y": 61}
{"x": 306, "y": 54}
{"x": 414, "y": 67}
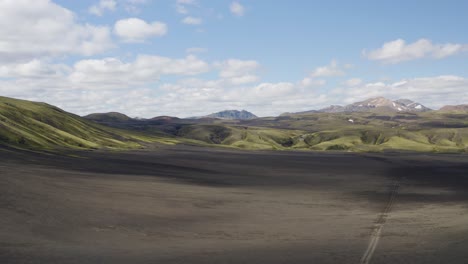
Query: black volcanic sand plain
{"x": 184, "y": 204}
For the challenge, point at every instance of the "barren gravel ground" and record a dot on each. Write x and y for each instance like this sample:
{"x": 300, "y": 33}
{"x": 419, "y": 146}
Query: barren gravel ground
{"x": 196, "y": 205}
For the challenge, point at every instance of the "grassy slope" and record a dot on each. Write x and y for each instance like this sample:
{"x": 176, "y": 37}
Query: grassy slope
{"x": 434, "y": 132}
{"x": 377, "y": 132}
{"x": 240, "y": 137}
{"x": 25, "y": 124}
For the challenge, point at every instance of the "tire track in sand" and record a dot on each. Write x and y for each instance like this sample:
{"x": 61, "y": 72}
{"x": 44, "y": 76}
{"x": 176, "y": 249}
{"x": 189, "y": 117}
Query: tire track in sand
{"x": 379, "y": 224}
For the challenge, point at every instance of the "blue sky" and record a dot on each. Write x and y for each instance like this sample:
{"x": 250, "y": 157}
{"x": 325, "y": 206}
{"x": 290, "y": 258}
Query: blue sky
{"x": 192, "y": 57}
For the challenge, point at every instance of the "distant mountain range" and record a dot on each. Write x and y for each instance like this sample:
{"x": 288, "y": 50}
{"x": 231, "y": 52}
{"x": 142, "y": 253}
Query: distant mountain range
{"x": 115, "y": 117}
{"x": 381, "y": 104}
{"x": 378, "y": 104}
{"x": 455, "y": 108}
{"x": 374, "y": 105}
{"x": 233, "y": 114}
{"x": 377, "y": 124}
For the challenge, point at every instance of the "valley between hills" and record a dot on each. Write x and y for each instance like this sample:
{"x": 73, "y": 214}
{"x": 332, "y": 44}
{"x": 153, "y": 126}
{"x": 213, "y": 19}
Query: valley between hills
{"x": 374, "y": 125}
{"x": 107, "y": 188}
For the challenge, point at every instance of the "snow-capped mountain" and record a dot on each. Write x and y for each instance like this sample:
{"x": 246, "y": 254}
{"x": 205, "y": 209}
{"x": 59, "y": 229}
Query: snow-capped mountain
{"x": 413, "y": 106}
{"x": 381, "y": 104}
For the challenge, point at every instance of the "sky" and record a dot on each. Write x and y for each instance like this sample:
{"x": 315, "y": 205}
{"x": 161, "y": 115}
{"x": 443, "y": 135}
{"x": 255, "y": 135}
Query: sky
{"x": 147, "y": 58}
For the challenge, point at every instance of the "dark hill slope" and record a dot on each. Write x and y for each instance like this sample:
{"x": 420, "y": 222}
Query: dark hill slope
{"x": 108, "y": 117}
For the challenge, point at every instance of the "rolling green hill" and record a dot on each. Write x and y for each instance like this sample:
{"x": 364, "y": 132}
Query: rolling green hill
{"x": 428, "y": 131}
{"x": 25, "y": 124}
{"x": 240, "y": 136}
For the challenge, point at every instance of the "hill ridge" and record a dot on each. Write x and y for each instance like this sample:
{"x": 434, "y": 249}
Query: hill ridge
{"x": 233, "y": 114}
{"x": 27, "y": 124}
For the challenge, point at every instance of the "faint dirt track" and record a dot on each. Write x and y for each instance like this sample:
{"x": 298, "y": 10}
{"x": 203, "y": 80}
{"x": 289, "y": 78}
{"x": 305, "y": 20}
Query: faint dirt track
{"x": 379, "y": 224}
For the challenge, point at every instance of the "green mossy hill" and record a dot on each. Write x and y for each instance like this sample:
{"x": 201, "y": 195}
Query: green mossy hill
{"x": 25, "y": 124}
{"x": 428, "y": 131}
{"x": 375, "y": 139}
{"x": 241, "y": 136}
{"x": 360, "y": 132}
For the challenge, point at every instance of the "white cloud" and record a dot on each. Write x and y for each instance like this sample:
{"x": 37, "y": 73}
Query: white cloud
{"x": 39, "y": 28}
{"x": 235, "y": 68}
{"x": 398, "y": 51}
{"x": 331, "y": 70}
{"x": 112, "y": 72}
{"x": 238, "y": 72}
{"x": 353, "y": 82}
{"x": 98, "y": 85}
{"x": 139, "y": 87}
{"x": 192, "y": 20}
{"x": 237, "y": 9}
{"x": 33, "y": 69}
{"x": 137, "y": 30}
{"x": 99, "y": 8}
{"x": 215, "y": 95}
{"x": 431, "y": 91}
{"x": 311, "y": 82}
{"x": 244, "y": 79}
{"x": 272, "y": 90}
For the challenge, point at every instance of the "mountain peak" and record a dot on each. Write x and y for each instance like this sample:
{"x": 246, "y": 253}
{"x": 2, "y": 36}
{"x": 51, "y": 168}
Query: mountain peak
{"x": 377, "y": 102}
{"x": 233, "y": 114}
{"x": 374, "y": 104}
{"x": 382, "y": 104}
{"x": 332, "y": 109}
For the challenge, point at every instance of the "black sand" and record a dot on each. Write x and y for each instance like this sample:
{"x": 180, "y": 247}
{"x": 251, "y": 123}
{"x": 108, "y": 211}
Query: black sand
{"x": 195, "y": 205}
